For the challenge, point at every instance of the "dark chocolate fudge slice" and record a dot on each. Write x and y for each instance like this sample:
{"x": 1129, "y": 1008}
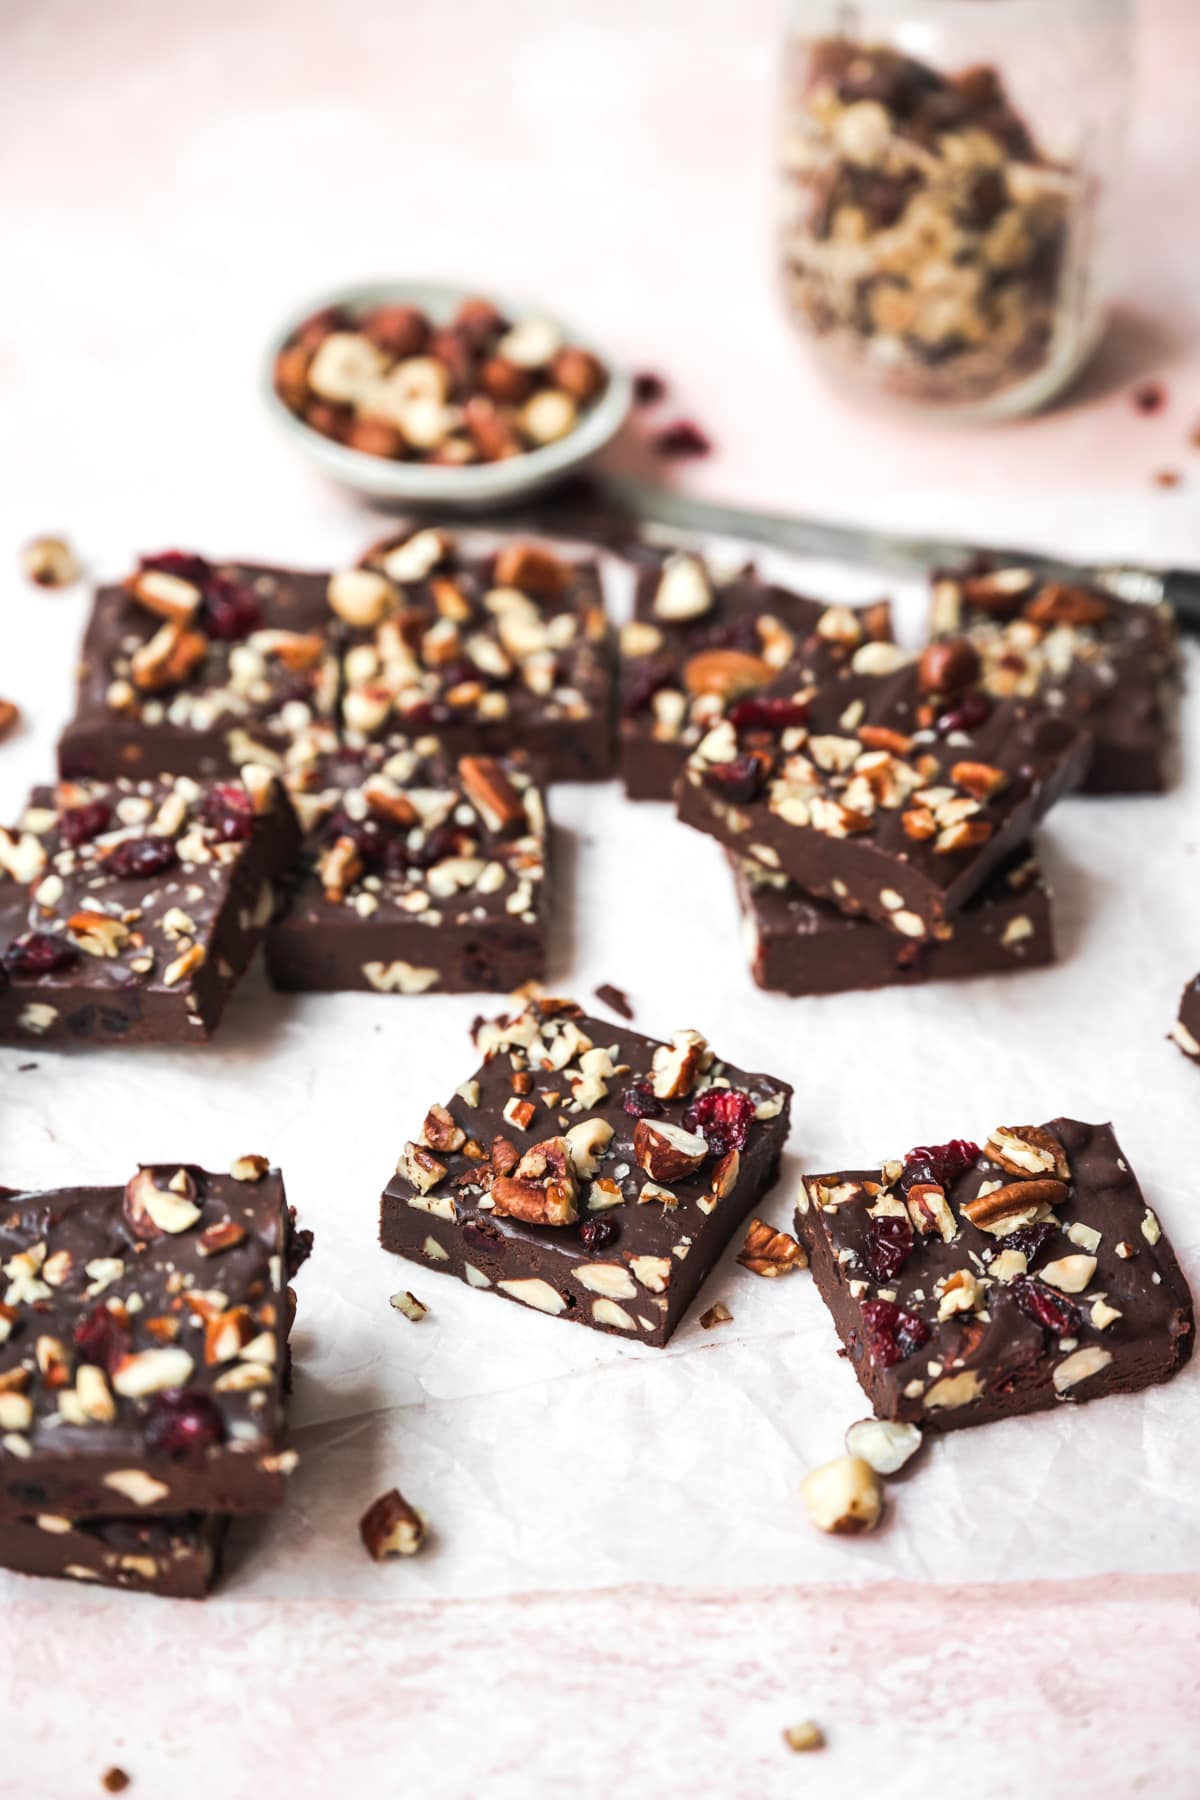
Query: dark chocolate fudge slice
{"x": 178, "y": 1558}
{"x": 969, "y": 1286}
{"x": 195, "y": 668}
{"x": 493, "y": 652}
{"x": 419, "y": 873}
{"x": 1112, "y": 664}
{"x": 697, "y": 643}
{"x": 588, "y": 1171}
{"x": 1186, "y": 1030}
{"x": 143, "y": 1361}
{"x": 800, "y": 945}
{"x": 129, "y": 909}
{"x": 882, "y": 793}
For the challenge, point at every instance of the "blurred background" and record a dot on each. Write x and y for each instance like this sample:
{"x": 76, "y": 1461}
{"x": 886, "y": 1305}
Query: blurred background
{"x": 177, "y": 181}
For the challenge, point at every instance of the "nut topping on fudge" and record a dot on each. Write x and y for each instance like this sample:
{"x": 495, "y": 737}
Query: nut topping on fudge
{"x": 586, "y": 1170}
{"x": 487, "y": 651}
{"x": 699, "y": 642}
{"x": 198, "y": 667}
{"x": 885, "y": 794}
{"x": 970, "y": 1285}
{"x": 128, "y": 909}
{"x": 1114, "y": 664}
{"x": 418, "y": 873}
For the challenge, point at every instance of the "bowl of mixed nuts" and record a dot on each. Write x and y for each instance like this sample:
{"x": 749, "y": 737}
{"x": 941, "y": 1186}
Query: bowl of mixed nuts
{"x": 430, "y": 394}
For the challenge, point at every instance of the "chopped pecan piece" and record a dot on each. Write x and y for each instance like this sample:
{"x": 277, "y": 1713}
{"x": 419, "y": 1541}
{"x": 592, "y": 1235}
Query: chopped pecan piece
{"x": 769, "y": 1252}
{"x": 491, "y": 792}
{"x": 1013, "y": 1200}
{"x": 542, "y": 1189}
{"x": 1027, "y": 1150}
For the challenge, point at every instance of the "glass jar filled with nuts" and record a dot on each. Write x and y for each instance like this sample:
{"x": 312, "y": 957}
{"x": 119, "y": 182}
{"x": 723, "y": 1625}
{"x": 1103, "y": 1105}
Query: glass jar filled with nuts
{"x": 949, "y": 172}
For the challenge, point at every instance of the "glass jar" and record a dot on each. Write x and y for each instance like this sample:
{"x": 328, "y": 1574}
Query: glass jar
{"x": 949, "y": 173}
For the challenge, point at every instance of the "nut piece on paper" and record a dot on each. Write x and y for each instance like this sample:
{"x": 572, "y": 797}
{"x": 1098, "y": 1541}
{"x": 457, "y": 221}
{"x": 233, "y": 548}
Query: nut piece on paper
{"x": 843, "y": 1496}
{"x": 391, "y": 1527}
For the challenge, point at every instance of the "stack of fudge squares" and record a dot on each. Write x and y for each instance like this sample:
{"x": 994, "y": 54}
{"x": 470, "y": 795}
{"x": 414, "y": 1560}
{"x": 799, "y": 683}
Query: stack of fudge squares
{"x": 144, "y": 1372}
{"x": 877, "y": 808}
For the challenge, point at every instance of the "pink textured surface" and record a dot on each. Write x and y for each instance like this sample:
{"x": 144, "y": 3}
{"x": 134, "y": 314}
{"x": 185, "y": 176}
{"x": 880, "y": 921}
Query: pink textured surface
{"x": 174, "y": 179}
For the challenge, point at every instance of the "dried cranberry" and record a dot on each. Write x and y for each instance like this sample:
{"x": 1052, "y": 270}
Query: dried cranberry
{"x": 80, "y": 824}
{"x": 723, "y": 1117}
{"x": 646, "y": 680}
{"x": 230, "y": 812}
{"x": 1029, "y": 1239}
{"x": 767, "y": 713}
{"x": 739, "y": 780}
{"x": 446, "y": 841}
{"x": 183, "y": 1423}
{"x": 230, "y": 610}
{"x": 182, "y": 564}
{"x": 37, "y": 953}
{"x": 972, "y": 711}
{"x": 598, "y": 1234}
{"x": 648, "y": 388}
{"x": 683, "y": 438}
{"x": 481, "y": 1234}
{"x": 1039, "y": 1302}
{"x": 101, "y": 1338}
{"x": 141, "y": 857}
{"x": 368, "y": 836}
{"x": 940, "y": 1163}
{"x": 640, "y": 1102}
{"x": 1150, "y": 397}
{"x": 888, "y": 1246}
{"x": 891, "y": 1333}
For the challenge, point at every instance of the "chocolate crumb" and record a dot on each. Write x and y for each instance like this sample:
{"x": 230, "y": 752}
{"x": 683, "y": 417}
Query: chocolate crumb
{"x": 648, "y": 388}
{"x": 682, "y": 439}
{"x": 716, "y": 1315}
{"x": 1167, "y": 478}
{"x": 114, "y": 1781}
{"x": 615, "y": 997}
{"x": 1150, "y": 397}
{"x": 24, "y": 1068}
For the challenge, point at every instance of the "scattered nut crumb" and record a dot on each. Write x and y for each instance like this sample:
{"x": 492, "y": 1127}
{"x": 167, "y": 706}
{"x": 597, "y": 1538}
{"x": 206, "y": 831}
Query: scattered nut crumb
{"x": 843, "y": 1496}
{"x": 391, "y": 1527}
{"x": 1150, "y": 397}
{"x": 648, "y": 388}
{"x": 805, "y": 1736}
{"x": 410, "y": 1306}
{"x": 683, "y": 438}
{"x": 10, "y": 717}
{"x": 770, "y": 1252}
{"x": 114, "y": 1780}
{"x": 24, "y": 1068}
{"x": 1167, "y": 478}
{"x": 716, "y": 1315}
{"x": 50, "y": 562}
{"x": 616, "y": 998}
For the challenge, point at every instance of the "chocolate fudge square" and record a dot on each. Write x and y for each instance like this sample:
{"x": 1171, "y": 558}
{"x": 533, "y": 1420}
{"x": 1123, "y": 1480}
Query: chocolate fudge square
{"x": 1112, "y": 664}
{"x": 587, "y": 1171}
{"x": 420, "y": 873}
{"x": 697, "y": 643}
{"x": 143, "y": 1363}
{"x": 799, "y": 945}
{"x": 971, "y": 1285}
{"x": 490, "y": 653}
{"x": 880, "y": 793}
{"x": 1186, "y": 1030}
{"x": 191, "y": 667}
{"x": 177, "y": 1558}
{"x": 129, "y": 909}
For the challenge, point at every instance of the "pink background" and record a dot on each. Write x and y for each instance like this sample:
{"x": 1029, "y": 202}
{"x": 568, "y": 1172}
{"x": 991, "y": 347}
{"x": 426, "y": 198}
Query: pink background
{"x": 175, "y": 179}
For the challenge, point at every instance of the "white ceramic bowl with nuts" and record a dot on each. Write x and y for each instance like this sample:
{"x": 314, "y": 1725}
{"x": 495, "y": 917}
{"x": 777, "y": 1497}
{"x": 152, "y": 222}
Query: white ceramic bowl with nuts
{"x": 365, "y": 382}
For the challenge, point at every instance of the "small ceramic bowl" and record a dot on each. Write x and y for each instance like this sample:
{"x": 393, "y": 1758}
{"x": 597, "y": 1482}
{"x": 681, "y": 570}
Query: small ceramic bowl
{"x": 475, "y": 486}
